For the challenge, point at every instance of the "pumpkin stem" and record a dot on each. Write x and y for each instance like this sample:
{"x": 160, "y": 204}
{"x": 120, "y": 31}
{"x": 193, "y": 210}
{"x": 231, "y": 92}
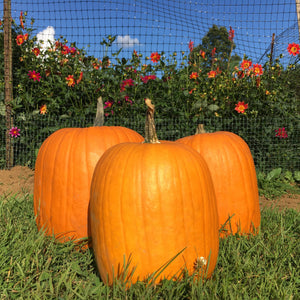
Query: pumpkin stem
{"x": 200, "y": 129}
{"x": 99, "y": 119}
{"x": 150, "y": 131}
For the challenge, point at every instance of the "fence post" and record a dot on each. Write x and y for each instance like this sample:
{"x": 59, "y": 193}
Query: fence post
{"x": 8, "y": 91}
{"x": 298, "y": 15}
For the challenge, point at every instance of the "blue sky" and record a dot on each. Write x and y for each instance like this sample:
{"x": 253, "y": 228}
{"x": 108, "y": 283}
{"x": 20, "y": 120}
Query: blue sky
{"x": 149, "y": 26}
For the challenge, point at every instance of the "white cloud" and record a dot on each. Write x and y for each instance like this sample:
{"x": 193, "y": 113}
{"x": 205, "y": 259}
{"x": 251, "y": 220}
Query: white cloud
{"x": 47, "y": 36}
{"x": 126, "y": 41}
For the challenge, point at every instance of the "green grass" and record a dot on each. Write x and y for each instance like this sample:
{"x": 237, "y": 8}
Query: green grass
{"x": 36, "y": 267}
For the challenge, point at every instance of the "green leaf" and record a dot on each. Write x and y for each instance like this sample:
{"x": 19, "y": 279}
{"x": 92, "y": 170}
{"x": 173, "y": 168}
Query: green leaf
{"x": 2, "y": 109}
{"x": 273, "y": 174}
{"x": 297, "y": 175}
{"x": 200, "y": 104}
{"x": 213, "y": 107}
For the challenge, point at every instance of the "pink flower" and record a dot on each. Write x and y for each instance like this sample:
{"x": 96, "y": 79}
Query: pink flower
{"x": 128, "y": 100}
{"x": 281, "y": 133}
{"x": 34, "y": 75}
{"x": 65, "y": 50}
{"x": 126, "y": 83}
{"x": 14, "y": 132}
{"x": 146, "y": 78}
{"x": 107, "y": 104}
{"x": 72, "y": 50}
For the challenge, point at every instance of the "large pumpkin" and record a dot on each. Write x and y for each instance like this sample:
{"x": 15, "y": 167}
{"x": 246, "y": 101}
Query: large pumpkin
{"x": 63, "y": 174}
{"x": 233, "y": 172}
{"x": 150, "y": 201}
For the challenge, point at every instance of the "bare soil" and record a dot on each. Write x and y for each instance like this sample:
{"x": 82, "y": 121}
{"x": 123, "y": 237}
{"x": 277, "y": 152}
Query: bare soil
{"x": 19, "y": 181}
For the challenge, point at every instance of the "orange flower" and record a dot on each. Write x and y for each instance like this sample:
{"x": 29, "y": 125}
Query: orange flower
{"x": 70, "y": 80}
{"x": 213, "y": 52}
{"x": 65, "y": 50}
{"x": 194, "y": 75}
{"x": 20, "y": 39}
{"x": 202, "y": 53}
{"x": 267, "y": 92}
{"x": 231, "y": 34}
{"x": 43, "y": 109}
{"x": 25, "y": 36}
{"x": 240, "y": 74}
{"x": 293, "y": 49}
{"x": 241, "y": 107}
{"x": 257, "y": 69}
{"x": 80, "y": 77}
{"x": 191, "y": 45}
{"x": 191, "y": 91}
{"x": 246, "y": 64}
{"x": 212, "y": 74}
{"x": 64, "y": 61}
{"x": 21, "y": 20}
{"x": 257, "y": 81}
{"x": 155, "y": 57}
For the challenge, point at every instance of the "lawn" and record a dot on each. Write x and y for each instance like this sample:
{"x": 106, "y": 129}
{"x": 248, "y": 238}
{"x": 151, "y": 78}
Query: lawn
{"x": 32, "y": 266}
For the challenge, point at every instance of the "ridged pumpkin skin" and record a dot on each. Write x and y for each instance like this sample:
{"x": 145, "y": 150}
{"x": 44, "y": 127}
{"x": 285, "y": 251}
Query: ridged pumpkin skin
{"x": 233, "y": 172}
{"x": 149, "y": 202}
{"x": 63, "y": 174}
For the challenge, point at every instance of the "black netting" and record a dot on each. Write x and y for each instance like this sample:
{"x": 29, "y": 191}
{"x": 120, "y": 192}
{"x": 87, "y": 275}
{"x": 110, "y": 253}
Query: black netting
{"x": 163, "y": 25}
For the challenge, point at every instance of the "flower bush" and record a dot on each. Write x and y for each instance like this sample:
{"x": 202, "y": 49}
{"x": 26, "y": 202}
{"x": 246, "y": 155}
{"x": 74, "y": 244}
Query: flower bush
{"x": 64, "y": 81}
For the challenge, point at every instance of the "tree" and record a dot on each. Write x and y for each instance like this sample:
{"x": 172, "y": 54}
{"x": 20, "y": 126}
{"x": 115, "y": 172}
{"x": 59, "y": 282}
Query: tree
{"x": 217, "y": 45}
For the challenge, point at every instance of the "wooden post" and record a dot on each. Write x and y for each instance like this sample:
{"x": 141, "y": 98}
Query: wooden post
{"x": 298, "y": 15}
{"x": 8, "y": 91}
{"x": 272, "y": 49}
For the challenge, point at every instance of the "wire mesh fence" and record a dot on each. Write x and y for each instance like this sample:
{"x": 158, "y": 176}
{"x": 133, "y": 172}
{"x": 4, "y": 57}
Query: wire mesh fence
{"x": 169, "y": 27}
{"x": 270, "y": 148}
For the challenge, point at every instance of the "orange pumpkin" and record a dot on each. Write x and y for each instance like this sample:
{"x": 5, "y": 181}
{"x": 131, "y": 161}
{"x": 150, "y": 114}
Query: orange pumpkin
{"x": 150, "y": 201}
{"x": 233, "y": 172}
{"x": 63, "y": 174}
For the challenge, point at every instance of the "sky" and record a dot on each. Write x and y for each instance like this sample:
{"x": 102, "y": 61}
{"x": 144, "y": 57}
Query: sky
{"x": 156, "y": 25}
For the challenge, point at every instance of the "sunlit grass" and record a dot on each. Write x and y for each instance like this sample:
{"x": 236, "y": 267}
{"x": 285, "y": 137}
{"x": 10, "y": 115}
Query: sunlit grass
{"x": 36, "y": 267}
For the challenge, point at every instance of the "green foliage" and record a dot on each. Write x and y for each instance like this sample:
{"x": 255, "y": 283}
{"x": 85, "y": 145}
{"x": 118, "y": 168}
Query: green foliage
{"x": 37, "y": 267}
{"x": 276, "y": 183}
{"x": 187, "y": 88}
{"x": 70, "y": 80}
{"x": 216, "y": 38}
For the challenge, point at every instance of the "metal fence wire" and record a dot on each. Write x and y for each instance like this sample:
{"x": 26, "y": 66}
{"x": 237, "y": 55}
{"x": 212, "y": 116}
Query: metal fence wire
{"x": 160, "y": 26}
{"x": 269, "y": 149}
{"x": 168, "y": 25}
